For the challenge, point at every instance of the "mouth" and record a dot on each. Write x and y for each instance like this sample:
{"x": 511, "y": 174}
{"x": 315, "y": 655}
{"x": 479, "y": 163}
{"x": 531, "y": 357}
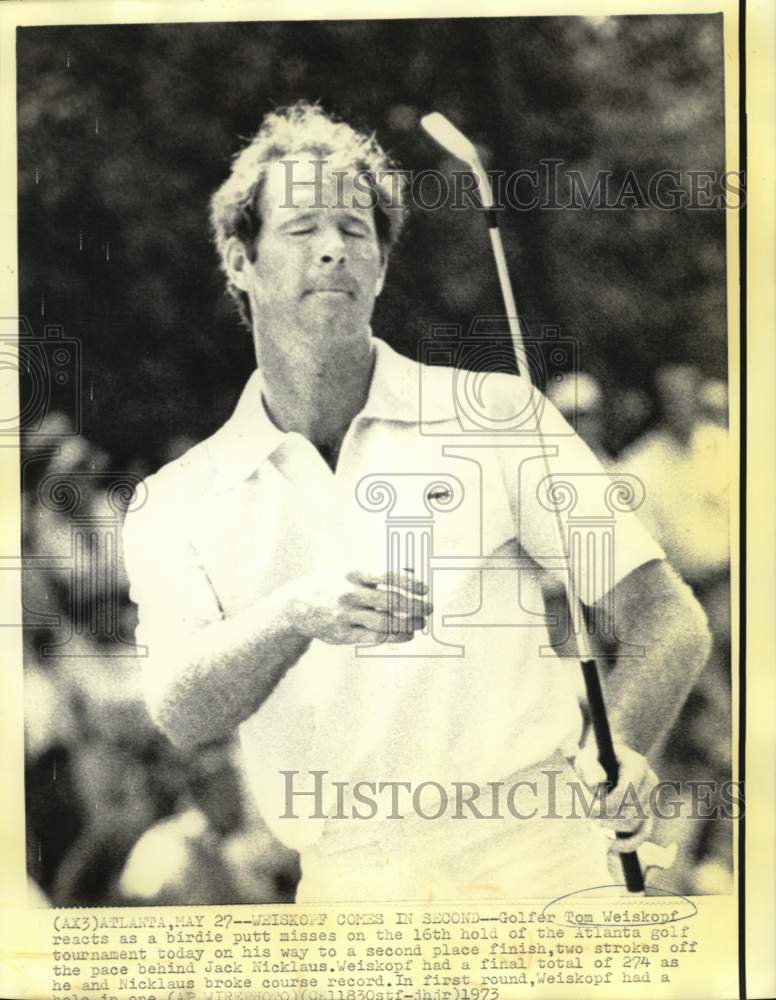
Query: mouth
{"x": 333, "y": 290}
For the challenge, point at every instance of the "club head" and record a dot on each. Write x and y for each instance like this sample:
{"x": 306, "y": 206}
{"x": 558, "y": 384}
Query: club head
{"x": 455, "y": 142}
{"x": 443, "y": 131}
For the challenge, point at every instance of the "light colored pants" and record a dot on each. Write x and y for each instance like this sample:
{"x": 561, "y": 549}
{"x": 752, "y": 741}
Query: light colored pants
{"x": 464, "y": 859}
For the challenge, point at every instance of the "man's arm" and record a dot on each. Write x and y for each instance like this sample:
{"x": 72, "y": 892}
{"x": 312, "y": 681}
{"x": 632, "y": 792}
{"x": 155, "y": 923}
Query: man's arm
{"x": 203, "y": 673}
{"x": 655, "y": 609}
{"x": 200, "y": 686}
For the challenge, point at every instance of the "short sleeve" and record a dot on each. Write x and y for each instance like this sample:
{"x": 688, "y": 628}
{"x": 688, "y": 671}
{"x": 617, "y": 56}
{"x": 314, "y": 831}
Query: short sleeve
{"x": 596, "y": 509}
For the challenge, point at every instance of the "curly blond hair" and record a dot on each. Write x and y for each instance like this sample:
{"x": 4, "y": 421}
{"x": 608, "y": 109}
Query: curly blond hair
{"x": 287, "y": 132}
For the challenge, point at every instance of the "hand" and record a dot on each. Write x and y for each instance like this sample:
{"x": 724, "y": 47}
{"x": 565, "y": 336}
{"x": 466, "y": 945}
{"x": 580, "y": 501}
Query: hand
{"x": 625, "y": 808}
{"x": 359, "y": 608}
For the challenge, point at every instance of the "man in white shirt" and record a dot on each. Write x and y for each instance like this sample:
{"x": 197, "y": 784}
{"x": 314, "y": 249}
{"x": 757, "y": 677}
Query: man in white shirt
{"x": 351, "y": 578}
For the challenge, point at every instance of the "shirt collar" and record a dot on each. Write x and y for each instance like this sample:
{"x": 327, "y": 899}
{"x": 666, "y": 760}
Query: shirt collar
{"x": 246, "y": 439}
{"x": 401, "y": 390}
{"x": 404, "y": 391}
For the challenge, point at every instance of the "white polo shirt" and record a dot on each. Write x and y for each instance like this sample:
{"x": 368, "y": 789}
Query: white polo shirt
{"x": 441, "y": 469}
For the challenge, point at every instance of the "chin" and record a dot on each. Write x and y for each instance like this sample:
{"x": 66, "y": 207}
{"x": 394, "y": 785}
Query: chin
{"x": 341, "y": 324}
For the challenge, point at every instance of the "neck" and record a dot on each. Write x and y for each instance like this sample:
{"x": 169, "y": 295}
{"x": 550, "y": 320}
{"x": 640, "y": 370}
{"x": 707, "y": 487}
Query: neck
{"x": 316, "y": 393}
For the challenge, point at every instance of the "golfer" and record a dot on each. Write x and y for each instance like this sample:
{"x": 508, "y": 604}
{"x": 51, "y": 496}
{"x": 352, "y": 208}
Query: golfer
{"x": 403, "y": 724}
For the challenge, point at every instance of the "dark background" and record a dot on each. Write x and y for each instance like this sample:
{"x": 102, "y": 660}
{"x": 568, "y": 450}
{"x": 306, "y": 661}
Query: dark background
{"x": 123, "y": 134}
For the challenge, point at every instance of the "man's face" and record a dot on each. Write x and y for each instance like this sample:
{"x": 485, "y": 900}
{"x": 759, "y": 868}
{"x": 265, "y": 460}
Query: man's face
{"x": 318, "y": 266}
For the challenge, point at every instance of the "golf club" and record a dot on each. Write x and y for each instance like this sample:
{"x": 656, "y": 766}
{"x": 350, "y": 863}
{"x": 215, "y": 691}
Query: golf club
{"x": 450, "y": 138}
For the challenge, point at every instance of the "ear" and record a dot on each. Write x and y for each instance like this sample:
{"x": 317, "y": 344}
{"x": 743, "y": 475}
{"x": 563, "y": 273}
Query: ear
{"x": 237, "y": 262}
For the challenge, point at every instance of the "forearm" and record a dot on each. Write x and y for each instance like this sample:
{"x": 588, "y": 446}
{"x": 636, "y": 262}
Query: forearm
{"x": 646, "y": 689}
{"x": 201, "y": 687}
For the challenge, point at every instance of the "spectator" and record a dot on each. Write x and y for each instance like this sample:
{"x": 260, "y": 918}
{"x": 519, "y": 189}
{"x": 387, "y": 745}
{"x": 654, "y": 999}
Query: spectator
{"x": 684, "y": 466}
{"x": 580, "y": 400}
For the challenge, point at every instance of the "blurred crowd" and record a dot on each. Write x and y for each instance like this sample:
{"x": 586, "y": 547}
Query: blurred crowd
{"x": 115, "y": 815}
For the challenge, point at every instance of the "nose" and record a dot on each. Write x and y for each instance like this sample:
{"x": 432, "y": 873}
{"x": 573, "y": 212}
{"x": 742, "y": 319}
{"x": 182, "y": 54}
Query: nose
{"x": 332, "y": 247}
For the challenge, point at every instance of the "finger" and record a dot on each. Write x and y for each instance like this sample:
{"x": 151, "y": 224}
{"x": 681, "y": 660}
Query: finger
{"x": 627, "y": 809}
{"x": 588, "y": 766}
{"x": 406, "y": 580}
{"x": 400, "y": 603}
{"x": 633, "y": 782}
{"x": 360, "y": 636}
{"x": 622, "y": 808}
{"x": 633, "y": 766}
{"x": 646, "y": 789}
{"x": 628, "y": 823}
{"x": 396, "y": 602}
{"x": 614, "y": 866}
{"x": 400, "y": 637}
{"x": 624, "y": 845}
{"x": 384, "y": 624}
{"x": 364, "y": 597}
{"x": 373, "y": 621}
{"x": 636, "y": 781}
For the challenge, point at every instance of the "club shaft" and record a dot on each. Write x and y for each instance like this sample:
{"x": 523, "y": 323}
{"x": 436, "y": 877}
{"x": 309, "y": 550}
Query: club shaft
{"x": 634, "y": 878}
{"x": 575, "y": 603}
